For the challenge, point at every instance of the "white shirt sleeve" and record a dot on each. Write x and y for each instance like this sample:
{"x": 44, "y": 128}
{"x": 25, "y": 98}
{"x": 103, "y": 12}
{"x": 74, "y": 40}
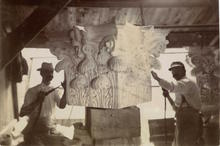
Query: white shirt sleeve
{"x": 177, "y": 87}
{"x": 184, "y": 87}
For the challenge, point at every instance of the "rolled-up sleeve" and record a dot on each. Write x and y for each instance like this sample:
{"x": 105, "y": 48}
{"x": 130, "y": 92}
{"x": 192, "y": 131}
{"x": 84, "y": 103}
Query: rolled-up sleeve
{"x": 165, "y": 84}
{"x": 186, "y": 88}
{"x": 178, "y": 86}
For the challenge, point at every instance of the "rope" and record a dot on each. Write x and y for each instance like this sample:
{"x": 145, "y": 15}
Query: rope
{"x": 165, "y": 120}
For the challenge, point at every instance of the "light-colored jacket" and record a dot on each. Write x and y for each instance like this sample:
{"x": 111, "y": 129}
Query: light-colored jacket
{"x": 185, "y": 87}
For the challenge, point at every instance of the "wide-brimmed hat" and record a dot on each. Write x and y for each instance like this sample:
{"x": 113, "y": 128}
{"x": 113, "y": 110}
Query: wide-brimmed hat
{"x": 176, "y": 64}
{"x": 46, "y": 66}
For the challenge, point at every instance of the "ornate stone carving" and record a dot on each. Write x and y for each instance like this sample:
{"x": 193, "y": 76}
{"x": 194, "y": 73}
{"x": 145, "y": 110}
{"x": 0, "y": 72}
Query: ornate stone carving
{"x": 108, "y": 66}
{"x": 206, "y": 68}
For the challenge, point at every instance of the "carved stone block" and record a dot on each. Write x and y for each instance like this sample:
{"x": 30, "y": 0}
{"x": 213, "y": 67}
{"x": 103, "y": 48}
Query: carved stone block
{"x": 109, "y": 66}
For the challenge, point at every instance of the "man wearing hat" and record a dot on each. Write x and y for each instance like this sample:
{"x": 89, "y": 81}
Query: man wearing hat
{"x": 187, "y": 104}
{"x": 39, "y": 106}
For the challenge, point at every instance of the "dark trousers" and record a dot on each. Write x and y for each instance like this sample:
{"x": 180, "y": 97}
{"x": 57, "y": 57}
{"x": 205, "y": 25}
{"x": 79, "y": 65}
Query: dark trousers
{"x": 46, "y": 139}
{"x": 188, "y": 127}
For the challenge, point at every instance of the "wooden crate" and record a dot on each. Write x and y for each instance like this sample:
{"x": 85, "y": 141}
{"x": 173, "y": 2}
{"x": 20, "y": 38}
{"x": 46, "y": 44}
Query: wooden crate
{"x": 161, "y": 129}
{"x": 113, "y": 123}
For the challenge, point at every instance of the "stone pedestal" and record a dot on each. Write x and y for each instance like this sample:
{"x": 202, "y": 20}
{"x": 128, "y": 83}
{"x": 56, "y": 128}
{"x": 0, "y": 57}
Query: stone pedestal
{"x": 113, "y": 123}
{"x": 132, "y": 141}
{"x": 162, "y": 131}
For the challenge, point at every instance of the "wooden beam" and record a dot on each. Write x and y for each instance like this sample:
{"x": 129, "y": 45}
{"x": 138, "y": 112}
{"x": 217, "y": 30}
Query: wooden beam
{"x": 30, "y": 28}
{"x": 199, "y": 27}
{"x": 214, "y": 40}
{"x": 176, "y": 38}
{"x": 124, "y": 3}
{"x": 182, "y": 39}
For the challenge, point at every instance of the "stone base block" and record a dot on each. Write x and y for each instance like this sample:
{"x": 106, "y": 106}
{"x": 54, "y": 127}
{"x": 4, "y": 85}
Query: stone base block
{"x": 113, "y": 123}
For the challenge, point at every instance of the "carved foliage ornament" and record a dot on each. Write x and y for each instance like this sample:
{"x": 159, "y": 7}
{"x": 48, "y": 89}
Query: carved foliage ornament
{"x": 206, "y": 68}
{"x": 109, "y": 66}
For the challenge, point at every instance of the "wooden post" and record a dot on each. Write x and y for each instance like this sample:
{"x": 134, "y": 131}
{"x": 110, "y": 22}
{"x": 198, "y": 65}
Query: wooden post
{"x": 15, "y": 100}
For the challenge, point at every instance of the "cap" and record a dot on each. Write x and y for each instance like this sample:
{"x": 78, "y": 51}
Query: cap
{"x": 176, "y": 64}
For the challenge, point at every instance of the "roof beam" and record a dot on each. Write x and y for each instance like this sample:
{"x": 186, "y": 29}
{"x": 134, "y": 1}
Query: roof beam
{"x": 193, "y": 26}
{"x": 214, "y": 40}
{"x": 124, "y": 3}
{"x": 30, "y": 28}
{"x": 191, "y": 38}
{"x": 177, "y": 39}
